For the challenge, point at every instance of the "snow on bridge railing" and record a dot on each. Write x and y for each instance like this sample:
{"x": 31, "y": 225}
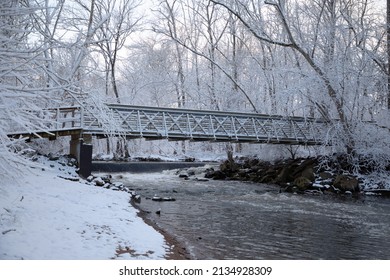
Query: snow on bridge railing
{"x": 175, "y": 124}
{"x": 45, "y": 121}
{"x": 203, "y": 125}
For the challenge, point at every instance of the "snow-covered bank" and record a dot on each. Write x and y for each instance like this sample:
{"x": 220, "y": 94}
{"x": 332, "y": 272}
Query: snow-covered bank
{"x": 48, "y": 217}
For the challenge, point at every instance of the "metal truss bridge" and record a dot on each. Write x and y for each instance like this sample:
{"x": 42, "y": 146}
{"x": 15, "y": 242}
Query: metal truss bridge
{"x": 174, "y": 124}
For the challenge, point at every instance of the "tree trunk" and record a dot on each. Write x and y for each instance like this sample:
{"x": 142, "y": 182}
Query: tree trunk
{"x": 229, "y": 153}
{"x": 113, "y": 82}
{"x": 212, "y": 49}
{"x": 388, "y": 54}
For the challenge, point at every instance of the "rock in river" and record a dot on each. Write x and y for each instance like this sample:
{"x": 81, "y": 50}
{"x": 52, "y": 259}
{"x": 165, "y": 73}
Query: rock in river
{"x": 159, "y": 198}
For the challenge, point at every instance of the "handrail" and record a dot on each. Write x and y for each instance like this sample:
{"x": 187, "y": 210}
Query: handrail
{"x": 125, "y": 107}
{"x": 182, "y": 124}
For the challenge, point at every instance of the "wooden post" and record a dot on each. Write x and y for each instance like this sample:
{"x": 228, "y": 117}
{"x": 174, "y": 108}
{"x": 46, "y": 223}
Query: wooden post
{"x": 75, "y": 143}
{"x": 85, "y": 163}
{"x": 81, "y": 149}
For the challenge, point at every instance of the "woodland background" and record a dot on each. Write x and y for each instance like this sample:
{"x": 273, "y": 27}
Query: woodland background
{"x": 320, "y": 58}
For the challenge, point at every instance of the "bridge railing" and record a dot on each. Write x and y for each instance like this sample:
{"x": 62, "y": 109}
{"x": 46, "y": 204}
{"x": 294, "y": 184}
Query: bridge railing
{"x": 172, "y": 124}
{"x": 181, "y": 124}
{"x": 46, "y": 121}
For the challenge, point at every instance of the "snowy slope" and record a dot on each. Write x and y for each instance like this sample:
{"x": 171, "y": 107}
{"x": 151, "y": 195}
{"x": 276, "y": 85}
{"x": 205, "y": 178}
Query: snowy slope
{"x": 47, "y": 217}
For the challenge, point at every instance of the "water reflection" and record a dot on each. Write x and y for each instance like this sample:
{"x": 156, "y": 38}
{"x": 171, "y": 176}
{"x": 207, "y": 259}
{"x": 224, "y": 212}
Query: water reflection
{"x": 235, "y": 220}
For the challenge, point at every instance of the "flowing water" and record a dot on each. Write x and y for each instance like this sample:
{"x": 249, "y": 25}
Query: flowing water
{"x": 237, "y": 220}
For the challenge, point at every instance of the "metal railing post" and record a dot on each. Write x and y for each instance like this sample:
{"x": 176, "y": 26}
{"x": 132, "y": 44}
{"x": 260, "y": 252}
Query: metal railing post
{"x": 81, "y": 117}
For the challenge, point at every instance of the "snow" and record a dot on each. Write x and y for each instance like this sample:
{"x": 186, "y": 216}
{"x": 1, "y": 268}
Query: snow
{"x": 47, "y": 217}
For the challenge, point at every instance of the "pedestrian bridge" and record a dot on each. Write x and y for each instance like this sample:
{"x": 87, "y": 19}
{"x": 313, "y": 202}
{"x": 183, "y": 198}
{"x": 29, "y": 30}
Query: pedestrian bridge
{"x": 167, "y": 123}
{"x": 175, "y": 124}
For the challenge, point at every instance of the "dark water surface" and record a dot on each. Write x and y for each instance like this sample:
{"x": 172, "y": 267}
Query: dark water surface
{"x": 236, "y": 220}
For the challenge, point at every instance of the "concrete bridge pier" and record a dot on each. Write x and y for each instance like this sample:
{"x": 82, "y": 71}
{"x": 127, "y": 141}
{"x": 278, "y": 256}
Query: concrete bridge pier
{"x": 81, "y": 149}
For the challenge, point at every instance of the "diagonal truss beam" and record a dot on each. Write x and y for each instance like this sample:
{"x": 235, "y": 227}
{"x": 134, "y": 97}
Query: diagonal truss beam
{"x": 198, "y": 125}
{"x": 182, "y": 124}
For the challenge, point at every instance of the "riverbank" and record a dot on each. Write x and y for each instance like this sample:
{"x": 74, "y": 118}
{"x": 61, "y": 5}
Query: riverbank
{"x": 323, "y": 175}
{"x": 178, "y": 250}
{"x": 50, "y": 213}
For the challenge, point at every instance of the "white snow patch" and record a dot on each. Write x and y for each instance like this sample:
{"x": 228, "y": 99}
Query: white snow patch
{"x": 48, "y": 217}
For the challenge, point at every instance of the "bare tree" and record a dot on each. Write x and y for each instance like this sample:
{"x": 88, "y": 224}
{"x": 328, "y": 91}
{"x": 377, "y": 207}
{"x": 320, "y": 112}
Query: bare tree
{"x": 307, "y": 45}
{"x": 206, "y": 21}
{"x": 22, "y": 89}
{"x": 119, "y": 21}
{"x": 168, "y": 11}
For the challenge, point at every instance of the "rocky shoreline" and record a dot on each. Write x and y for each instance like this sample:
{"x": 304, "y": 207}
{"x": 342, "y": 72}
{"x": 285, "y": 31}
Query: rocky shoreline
{"x": 315, "y": 175}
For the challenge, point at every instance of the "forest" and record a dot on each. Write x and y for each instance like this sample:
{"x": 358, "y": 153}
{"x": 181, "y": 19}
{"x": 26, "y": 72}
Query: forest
{"x": 326, "y": 59}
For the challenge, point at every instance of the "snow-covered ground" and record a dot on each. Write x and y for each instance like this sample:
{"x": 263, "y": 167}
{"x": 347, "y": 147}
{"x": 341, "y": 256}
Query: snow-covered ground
{"x": 44, "y": 216}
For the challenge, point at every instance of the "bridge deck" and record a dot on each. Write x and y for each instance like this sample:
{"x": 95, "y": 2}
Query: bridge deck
{"x": 179, "y": 124}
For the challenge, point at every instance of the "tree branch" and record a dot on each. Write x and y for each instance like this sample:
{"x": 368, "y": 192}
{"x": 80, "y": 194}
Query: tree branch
{"x": 250, "y": 28}
{"x": 220, "y": 68}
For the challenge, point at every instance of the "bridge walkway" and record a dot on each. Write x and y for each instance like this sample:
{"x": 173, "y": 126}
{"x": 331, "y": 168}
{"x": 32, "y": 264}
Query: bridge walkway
{"x": 166, "y": 123}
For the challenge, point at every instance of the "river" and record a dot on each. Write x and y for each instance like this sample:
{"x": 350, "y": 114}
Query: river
{"x": 238, "y": 220}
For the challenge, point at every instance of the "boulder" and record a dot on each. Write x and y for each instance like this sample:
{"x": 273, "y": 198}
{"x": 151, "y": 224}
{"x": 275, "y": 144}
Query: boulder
{"x": 201, "y": 179}
{"x": 242, "y": 174}
{"x": 189, "y": 159}
{"x": 229, "y": 167}
{"x": 90, "y": 178}
{"x": 160, "y": 199}
{"x": 253, "y": 162}
{"x": 157, "y": 198}
{"x": 106, "y": 178}
{"x": 168, "y": 198}
{"x": 244, "y": 171}
{"x": 308, "y": 173}
{"x": 265, "y": 179}
{"x": 325, "y": 175}
{"x": 303, "y": 164}
{"x": 216, "y": 175}
{"x": 285, "y": 175}
{"x": 383, "y": 192}
{"x": 72, "y": 162}
{"x": 99, "y": 182}
{"x": 137, "y": 198}
{"x": 191, "y": 172}
{"x": 302, "y": 183}
{"x": 118, "y": 185}
{"x": 346, "y": 183}
{"x": 270, "y": 171}
{"x": 53, "y": 157}
{"x": 209, "y": 173}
